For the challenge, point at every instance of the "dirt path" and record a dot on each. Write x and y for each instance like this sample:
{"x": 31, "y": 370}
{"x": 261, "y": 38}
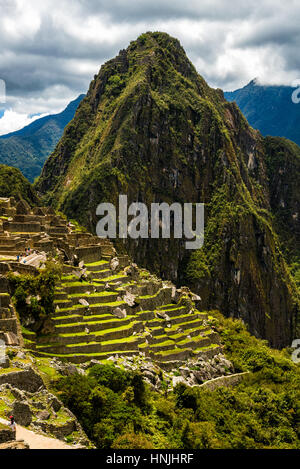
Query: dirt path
{"x": 36, "y": 441}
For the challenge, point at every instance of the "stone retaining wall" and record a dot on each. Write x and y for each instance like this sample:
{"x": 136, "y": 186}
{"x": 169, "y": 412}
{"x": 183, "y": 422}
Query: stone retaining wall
{"x": 231, "y": 380}
{"x": 6, "y": 434}
{"x": 89, "y": 253}
{"x": 27, "y": 380}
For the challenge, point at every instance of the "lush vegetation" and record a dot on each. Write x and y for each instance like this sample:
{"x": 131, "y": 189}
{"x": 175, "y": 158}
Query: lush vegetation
{"x": 14, "y": 184}
{"x": 117, "y": 410}
{"x": 33, "y": 296}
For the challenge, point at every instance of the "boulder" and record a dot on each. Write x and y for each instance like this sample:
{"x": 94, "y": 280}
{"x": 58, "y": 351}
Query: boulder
{"x": 83, "y": 302}
{"x": 22, "y": 413}
{"x": 55, "y": 404}
{"x": 162, "y": 315}
{"x": 114, "y": 263}
{"x": 129, "y": 298}
{"x": 43, "y": 415}
{"x": 119, "y": 313}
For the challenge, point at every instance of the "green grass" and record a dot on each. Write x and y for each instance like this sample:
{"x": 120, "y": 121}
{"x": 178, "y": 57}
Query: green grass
{"x": 4, "y": 371}
{"x": 93, "y": 295}
{"x": 205, "y": 349}
{"x": 89, "y": 356}
{"x": 165, "y": 353}
{"x": 111, "y": 278}
{"x": 96, "y": 263}
{"x": 58, "y": 318}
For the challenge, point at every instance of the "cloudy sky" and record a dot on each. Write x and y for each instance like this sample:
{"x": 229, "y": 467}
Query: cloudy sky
{"x": 50, "y": 49}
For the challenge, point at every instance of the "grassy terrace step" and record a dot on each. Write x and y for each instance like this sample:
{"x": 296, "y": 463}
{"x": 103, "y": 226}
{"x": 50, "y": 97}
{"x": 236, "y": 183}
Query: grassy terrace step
{"x": 82, "y": 287}
{"x": 191, "y": 332}
{"x": 111, "y": 278}
{"x": 184, "y": 325}
{"x": 85, "y": 357}
{"x": 87, "y": 317}
{"x": 62, "y": 303}
{"x": 184, "y": 318}
{"x": 145, "y": 315}
{"x": 102, "y": 308}
{"x": 157, "y": 331}
{"x": 208, "y": 352}
{"x": 173, "y": 321}
{"x": 97, "y": 266}
{"x": 100, "y": 330}
{"x": 74, "y": 309}
{"x": 95, "y": 298}
{"x": 93, "y": 347}
{"x": 173, "y": 354}
{"x": 121, "y": 286}
{"x": 93, "y": 326}
{"x": 159, "y": 338}
{"x": 67, "y": 319}
{"x": 72, "y": 328}
{"x": 196, "y": 342}
{"x": 101, "y": 275}
{"x": 66, "y": 279}
{"x": 60, "y": 295}
{"x": 173, "y": 312}
{"x": 162, "y": 346}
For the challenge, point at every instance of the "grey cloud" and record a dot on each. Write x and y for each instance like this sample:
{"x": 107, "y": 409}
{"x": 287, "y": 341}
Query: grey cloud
{"x": 145, "y": 10}
{"x": 60, "y": 53}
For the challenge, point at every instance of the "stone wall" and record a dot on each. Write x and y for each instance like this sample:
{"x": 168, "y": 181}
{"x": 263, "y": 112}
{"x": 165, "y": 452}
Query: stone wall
{"x": 89, "y": 254}
{"x": 231, "y": 380}
{"x": 6, "y": 434}
{"x": 26, "y": 380}
{"x": 8, "y": 325}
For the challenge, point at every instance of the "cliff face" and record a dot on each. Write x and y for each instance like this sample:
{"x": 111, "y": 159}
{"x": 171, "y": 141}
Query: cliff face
{"x": 151, "y": 128}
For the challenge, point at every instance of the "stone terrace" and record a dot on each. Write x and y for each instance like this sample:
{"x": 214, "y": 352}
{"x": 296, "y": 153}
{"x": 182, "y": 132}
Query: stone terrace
{"x": 103, "y": 305}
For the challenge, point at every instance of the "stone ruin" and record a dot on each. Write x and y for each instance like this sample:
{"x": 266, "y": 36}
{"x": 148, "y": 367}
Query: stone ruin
{"x": 104, "y": 306}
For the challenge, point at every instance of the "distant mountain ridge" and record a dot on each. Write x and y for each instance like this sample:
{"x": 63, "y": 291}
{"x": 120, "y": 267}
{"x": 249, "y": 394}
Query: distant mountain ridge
{"x": 28, "y": 148}
{"x": 269, "y": 109}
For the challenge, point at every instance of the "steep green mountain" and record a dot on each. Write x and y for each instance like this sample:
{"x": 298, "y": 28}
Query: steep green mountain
{"x": 28, "y": 148}
{"x": 14, "y": 184}
{"x": 150, "y": 127}
{"x": 269, "y": 109}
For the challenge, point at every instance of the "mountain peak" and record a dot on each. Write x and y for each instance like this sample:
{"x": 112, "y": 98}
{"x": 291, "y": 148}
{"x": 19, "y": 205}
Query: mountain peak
{"x": 151, "y": 128}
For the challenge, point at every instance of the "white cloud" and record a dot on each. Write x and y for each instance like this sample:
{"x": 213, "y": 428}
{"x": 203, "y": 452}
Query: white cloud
{"x": 12, "y": 121}
{"x": 51, "y": 49}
